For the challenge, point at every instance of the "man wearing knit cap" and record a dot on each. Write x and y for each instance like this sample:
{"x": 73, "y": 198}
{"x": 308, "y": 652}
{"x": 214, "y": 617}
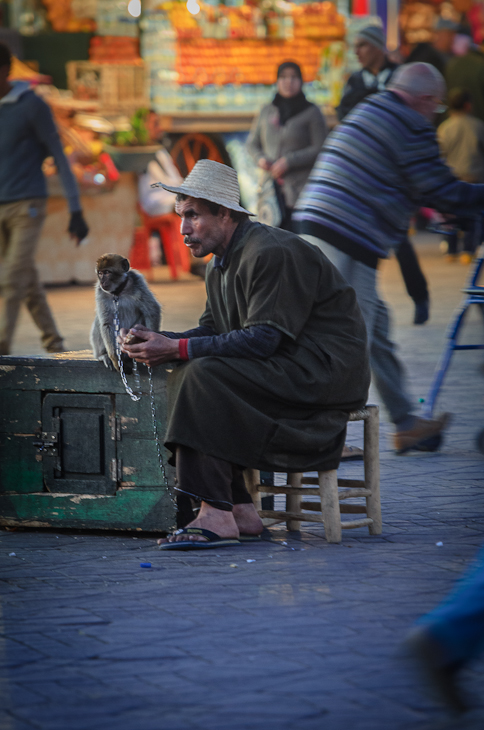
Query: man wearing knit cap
{"x": 268, "y": 377}
{"x": 376, "y": 70}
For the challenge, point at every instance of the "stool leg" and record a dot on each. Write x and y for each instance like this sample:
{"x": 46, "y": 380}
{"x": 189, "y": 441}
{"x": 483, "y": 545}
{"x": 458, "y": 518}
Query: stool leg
{"x": 166, "y": 242}
{"x": 293, "y": 501}
{"x": 252, "y": 480}
{"x": 328, "y": 490}
{"x": 371, "y": 431}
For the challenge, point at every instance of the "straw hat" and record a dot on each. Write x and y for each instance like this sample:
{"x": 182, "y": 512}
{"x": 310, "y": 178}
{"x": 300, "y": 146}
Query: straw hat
{"x": 211, "y": 181}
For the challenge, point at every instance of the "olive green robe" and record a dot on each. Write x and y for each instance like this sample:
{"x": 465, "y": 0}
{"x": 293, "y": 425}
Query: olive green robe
{"x": 287, "y": 412}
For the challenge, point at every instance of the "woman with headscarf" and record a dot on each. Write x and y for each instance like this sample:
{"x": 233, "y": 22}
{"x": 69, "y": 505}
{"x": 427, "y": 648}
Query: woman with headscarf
{"x": 286, "y": 138}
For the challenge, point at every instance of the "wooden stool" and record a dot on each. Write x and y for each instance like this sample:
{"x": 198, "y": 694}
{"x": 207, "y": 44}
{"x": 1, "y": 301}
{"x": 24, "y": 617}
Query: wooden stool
{"x": 331, "y": 504}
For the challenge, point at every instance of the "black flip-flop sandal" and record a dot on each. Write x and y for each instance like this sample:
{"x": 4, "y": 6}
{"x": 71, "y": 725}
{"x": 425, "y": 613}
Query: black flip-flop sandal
{"x": 213, "y": 540}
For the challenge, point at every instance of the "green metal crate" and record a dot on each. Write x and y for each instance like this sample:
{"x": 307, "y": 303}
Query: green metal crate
{"x": 76, "y": 451}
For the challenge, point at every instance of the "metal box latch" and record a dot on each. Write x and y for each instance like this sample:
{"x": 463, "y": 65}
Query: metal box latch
{"x": 48, "y": 444}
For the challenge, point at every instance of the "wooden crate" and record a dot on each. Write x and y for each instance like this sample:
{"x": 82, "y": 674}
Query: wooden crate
{"x": 117, "y": 87}
{"x": 98, "y": 465}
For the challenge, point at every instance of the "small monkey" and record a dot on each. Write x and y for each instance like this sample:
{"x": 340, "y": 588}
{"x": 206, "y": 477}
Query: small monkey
{"x": 136, "y": 305}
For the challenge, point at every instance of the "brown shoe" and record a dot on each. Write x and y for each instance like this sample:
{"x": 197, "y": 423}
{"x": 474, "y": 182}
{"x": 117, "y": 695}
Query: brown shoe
{"x": 352, "y": 453}
{"x": 423, "y": 429}
{"x": 57, "y": 346}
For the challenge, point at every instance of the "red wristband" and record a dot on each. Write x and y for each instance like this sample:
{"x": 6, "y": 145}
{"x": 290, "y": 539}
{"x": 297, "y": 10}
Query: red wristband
{"x": 183, "y": 348}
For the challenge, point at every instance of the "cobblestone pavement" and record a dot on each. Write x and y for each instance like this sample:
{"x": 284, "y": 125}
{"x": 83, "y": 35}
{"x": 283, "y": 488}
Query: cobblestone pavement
{"x": 257, "y": 637}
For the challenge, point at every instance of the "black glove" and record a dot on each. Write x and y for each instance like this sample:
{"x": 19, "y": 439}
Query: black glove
{"x": 78, "y": 226}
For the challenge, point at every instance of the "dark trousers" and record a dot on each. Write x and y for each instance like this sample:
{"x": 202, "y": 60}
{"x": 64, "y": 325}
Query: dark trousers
{"x": 205, "y": 478}
{"x": 472, "y": 237}
{"x": 415, "y": 281}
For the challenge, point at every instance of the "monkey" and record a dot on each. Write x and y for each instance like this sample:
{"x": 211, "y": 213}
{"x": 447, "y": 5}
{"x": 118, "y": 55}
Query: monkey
{"x": 136, "y": 305}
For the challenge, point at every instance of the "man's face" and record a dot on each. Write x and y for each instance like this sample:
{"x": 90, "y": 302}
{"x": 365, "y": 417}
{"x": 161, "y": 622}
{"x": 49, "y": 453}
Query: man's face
{"x": 368, "y": 55}
{"x": 428, "y": 106}
{"x": 443, "y": 40}
{"x": 204, "y": 233}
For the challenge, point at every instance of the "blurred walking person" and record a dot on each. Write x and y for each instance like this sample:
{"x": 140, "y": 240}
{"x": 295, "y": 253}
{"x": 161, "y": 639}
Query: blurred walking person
{"x": 356, "y": 208}
{"x": 286, "y": 138}
{"x": 461, "y": 140}
{"x": 439, "y": 51}
{"x": 375, "y": 74}
{"x": 466, "y": 71}
{"x": 451, "y": 636}
{"x": 27, "y": 136}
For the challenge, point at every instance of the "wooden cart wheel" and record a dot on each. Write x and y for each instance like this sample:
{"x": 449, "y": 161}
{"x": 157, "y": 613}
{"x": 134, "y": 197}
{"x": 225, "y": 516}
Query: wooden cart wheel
{"x": 193, "y": 147}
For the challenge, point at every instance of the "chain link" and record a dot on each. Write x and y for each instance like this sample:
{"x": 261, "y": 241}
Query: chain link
{"x": 157, "y": 437}
{"x": 132, "y": 395}
{"x": 137, "y": 396}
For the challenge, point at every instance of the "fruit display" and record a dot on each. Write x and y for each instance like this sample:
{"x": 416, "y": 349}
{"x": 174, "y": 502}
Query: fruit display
{"x": 112, "y": 49}
{"x": 273, "y": 19}
{"x": 416, "y": 22}
{"x": 63, "y": 18}
{"x": 318, "y": 20}
{"x": 206, "y": 61}
{"x": 225, "y": 57}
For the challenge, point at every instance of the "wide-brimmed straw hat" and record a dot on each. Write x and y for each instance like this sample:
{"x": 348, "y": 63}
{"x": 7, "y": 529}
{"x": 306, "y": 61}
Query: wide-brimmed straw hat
{"x": 211, "y": 181}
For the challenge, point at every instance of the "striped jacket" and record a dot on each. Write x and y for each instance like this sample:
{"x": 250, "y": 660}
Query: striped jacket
{"x": 375, "y": 169}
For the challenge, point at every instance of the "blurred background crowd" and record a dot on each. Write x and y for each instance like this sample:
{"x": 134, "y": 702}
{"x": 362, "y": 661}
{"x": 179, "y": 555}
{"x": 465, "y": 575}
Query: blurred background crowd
{"x": 139, "y": 91}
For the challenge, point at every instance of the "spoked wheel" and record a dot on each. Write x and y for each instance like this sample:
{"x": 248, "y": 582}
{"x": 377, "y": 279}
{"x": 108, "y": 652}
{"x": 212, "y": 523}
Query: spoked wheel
{"x": 193, "y": 147}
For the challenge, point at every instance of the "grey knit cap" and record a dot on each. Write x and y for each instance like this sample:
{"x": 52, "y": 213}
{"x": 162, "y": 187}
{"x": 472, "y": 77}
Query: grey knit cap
{"x": 373, "y": 34}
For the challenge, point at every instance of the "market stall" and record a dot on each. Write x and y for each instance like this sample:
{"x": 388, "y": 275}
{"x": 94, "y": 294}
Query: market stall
{"x": 208, "y": 69}
{"x": 204, "y": 69}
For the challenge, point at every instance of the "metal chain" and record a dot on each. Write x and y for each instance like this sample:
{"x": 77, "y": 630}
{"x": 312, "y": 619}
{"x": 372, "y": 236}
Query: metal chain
{"x": 157, "y": 437}
{"x": 132, "y": 395}
{"x": 137, "y": 396}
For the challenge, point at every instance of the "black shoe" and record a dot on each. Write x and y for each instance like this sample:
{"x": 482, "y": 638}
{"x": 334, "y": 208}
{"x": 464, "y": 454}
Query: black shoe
{"x": 427, "y": 652}
{"x": 421, "y": 312}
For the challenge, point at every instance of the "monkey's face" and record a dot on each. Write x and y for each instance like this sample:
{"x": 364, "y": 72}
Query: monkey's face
{"x": 111, "y": 270}
{"x": 110, "y": 279}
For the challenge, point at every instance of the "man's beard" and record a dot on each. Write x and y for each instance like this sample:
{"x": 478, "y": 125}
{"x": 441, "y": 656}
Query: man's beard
{"x": 206, "y": 247}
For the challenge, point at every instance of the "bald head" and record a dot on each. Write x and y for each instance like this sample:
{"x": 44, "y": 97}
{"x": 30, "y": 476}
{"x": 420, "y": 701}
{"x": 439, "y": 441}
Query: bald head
{"x": 418, "y": 79}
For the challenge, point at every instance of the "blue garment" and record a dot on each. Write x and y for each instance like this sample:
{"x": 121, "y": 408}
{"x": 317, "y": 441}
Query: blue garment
{"x": 457, "y": 624}
{"x": 375, "y": 169}
{"x": 258, "y": 341}
{"x": 27, "y": 136}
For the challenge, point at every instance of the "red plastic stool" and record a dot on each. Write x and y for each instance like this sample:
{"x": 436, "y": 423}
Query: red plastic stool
{"x": 167, "y": 226}
{"x": 139, "y": 255}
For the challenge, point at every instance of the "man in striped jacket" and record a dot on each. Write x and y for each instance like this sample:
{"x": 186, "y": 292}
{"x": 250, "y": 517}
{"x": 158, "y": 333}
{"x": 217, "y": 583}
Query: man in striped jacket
{"x": 375, "y": 169}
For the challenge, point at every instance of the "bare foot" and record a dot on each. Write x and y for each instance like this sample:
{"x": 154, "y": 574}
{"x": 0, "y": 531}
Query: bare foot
{"x": 247, "y": 519}
{"x": 209, "y": 518}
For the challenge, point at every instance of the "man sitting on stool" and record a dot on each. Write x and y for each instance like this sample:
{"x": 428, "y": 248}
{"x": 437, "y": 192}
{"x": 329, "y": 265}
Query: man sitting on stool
{"x": 269, "y": 376}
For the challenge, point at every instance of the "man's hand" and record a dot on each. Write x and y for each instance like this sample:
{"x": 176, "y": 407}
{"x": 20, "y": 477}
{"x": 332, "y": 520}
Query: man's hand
{"x": 78, "y": 227}
{"x": 264, "y": 164}
{"x": 154, "y": 349}
{"x": 279, "y": 168}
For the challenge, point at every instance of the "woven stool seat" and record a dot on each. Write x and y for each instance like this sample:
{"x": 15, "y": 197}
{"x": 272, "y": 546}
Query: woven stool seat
{"x": 333, "y": 492}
